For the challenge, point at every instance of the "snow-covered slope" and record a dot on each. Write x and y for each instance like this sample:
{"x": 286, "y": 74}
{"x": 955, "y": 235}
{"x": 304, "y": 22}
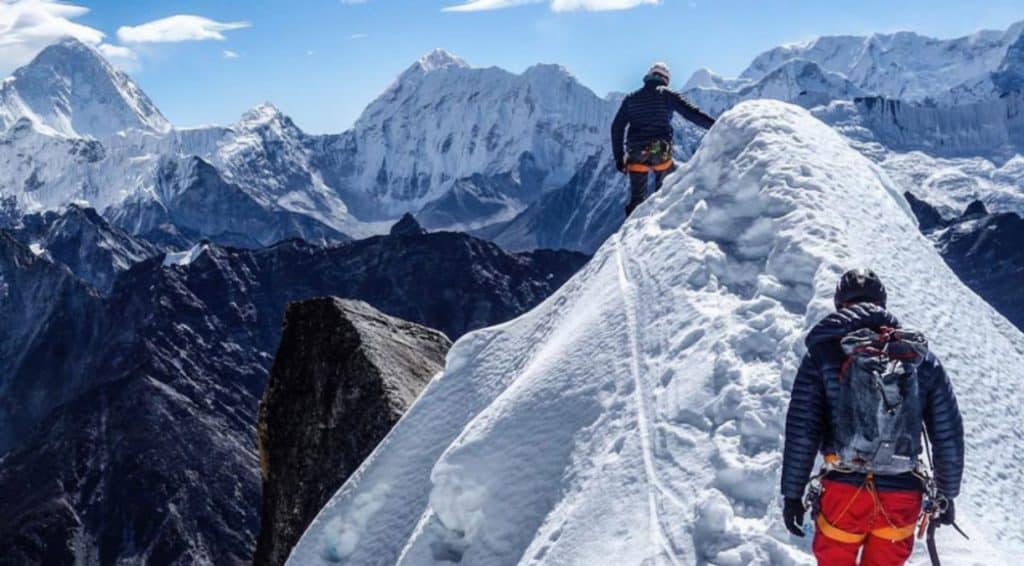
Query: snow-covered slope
{"x": 636, "y": 416}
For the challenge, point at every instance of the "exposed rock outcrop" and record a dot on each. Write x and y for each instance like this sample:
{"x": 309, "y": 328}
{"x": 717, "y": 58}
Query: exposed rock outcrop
{"x": 344, "y": 374}
{"x": 128, "y": 421}
{"x": 985, "y": 249}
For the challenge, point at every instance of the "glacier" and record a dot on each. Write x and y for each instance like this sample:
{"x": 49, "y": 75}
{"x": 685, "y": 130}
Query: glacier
{"x": 902, "y": 65}
{"x": 636, "y": 416}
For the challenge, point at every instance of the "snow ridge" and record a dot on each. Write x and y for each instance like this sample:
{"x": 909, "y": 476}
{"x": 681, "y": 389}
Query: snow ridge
{"x": 637, "y": 415}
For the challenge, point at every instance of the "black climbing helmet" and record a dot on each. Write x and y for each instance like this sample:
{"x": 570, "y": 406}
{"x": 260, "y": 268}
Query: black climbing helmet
{"x": 858, "y": 286}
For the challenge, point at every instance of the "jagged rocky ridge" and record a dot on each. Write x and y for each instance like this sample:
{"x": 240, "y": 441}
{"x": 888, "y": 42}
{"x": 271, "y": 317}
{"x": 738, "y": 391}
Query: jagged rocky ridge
{"x": 93, "y": 249}
{"x": 986, "y": 250}
{"x": 128, "y": 420}
{"x": 343, "y": 375}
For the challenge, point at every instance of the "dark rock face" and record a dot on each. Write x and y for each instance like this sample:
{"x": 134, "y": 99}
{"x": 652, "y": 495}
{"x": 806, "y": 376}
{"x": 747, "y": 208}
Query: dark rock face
{"x": 986, "y": 250}
{"x": 127, "y": 421}
{"x": 407, "y": 226}
{"x": 928, "y": 218}
{"x": 142, "y": 470}
{"x": 47, "y": 317}
{"x": 343, "y": 376}
{"x": 81, "y": 239}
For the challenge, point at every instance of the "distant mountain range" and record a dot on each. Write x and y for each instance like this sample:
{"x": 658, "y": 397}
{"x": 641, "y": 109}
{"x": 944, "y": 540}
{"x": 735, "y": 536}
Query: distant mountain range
{"x": 520, "y": 159}
{"x": 463, "y": 148}
{"x": 127, "y": 414}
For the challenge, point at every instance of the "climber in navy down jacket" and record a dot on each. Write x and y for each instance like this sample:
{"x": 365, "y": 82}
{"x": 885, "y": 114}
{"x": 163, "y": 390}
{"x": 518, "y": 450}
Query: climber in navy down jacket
{"x": 815, "y": 396}
{"x": 870, "y": 517}
{"x": 642, "y": 131}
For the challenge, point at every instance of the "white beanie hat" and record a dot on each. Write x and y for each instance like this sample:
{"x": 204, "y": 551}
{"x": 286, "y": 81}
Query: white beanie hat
{"x": 659, "y": 70}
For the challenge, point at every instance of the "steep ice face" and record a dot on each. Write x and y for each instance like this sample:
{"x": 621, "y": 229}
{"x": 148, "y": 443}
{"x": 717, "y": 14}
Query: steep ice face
{"x": 71, "y": 89}
{"x": 992, "y": 128}
{"x": 636, "y": 416}
{"x": 443, "y": 122}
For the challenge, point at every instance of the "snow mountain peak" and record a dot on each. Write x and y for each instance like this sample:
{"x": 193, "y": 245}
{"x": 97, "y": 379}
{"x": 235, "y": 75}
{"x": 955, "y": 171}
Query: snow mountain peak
{"x": 69, "y": 88}
{"x": 439, "y": 59}
{"x": 263, "y": 113}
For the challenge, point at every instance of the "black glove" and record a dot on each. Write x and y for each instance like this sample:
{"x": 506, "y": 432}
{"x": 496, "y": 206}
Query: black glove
{"x": 793, "y": 515}
{"x": 620, "y": 163}
{"x": 948, "y": 515}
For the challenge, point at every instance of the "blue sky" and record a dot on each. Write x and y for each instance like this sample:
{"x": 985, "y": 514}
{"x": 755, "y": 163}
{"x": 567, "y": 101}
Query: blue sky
{"x": 322, "y": 61}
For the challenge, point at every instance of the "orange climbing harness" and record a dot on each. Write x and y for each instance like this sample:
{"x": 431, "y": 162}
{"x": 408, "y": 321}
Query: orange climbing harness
{"x": 890, "y": 532}
{"x": 645, "y": 168}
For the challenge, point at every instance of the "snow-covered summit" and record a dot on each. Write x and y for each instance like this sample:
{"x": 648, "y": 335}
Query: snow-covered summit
{"x": 71, "y": 89}
{"x": 436, "y": 60}
{"x": 497, "y": 138}
{"x": 261, "y": 114}
{"x": 636, "y": 416}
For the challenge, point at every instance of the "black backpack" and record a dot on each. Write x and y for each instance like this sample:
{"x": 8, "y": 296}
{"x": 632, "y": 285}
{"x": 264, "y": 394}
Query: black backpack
{"x": 879, "y": 422}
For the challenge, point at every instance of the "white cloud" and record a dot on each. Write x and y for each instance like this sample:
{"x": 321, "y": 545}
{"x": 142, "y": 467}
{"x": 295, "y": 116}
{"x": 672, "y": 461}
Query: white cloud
{"x": 27, "y": 26}
{"x": 556, "y": 5}
{"x": 181, "y": 27}
{"x": 358, "y": 36}
{"x": 229, "y": 54}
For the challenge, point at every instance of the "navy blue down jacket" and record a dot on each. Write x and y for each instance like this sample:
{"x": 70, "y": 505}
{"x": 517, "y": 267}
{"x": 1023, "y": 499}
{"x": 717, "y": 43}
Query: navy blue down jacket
{"x": 815, "y": 397}
{"x": 648, "y": 114}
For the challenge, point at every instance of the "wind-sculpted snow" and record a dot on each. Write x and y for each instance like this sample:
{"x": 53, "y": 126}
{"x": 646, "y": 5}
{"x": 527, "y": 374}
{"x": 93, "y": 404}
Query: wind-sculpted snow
{"x": 636, "y": 416}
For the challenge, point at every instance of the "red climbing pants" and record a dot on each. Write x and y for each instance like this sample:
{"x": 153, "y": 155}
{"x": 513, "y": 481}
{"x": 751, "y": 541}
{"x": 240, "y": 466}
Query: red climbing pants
{"x": 854, "y": 518}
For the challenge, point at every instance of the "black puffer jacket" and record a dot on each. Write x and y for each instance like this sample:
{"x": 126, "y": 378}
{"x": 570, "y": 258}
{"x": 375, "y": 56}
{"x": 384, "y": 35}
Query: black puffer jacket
{"x": 648, "y": 113}
{"x": 816, "y": 392}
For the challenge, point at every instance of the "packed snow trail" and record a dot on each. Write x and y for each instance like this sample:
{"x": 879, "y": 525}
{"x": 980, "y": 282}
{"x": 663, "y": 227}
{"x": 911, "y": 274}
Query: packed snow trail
{"x": 636, "y": 417}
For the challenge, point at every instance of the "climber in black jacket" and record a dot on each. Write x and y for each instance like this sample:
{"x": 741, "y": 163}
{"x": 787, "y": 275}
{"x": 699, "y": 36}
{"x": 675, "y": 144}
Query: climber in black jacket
{"x": 647, "y": 147}
{"x": 872, "y": 514}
